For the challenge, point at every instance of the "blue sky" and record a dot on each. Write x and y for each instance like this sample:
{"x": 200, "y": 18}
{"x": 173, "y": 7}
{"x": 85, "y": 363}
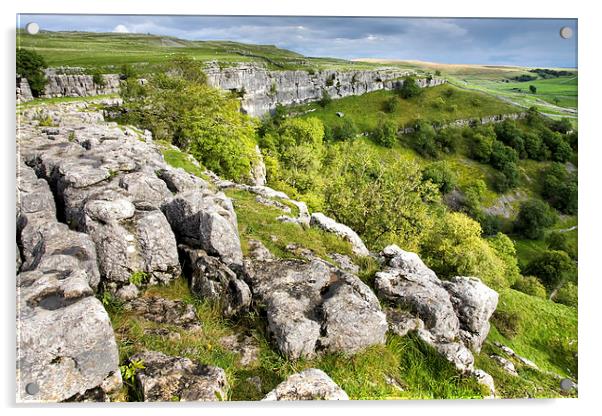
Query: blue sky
{"x": 525, "y": 42}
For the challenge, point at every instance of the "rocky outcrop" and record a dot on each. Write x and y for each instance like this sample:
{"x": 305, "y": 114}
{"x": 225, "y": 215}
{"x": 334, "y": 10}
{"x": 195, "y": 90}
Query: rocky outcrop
{"x": 66, "y": 347}
{"x": 325, "y": 223}
{"x": 263, "y": 89}
{"x": 212, "y": 279}
{"x": 451, "y": 316}
{"x": 23, "y": 90}
{"x": 311, "y": 384}
{"x": 165, "y": 378}
{"x": 165, "y": 311}
{"x": 312, "y": 306}
{"x": 79, "y": 85}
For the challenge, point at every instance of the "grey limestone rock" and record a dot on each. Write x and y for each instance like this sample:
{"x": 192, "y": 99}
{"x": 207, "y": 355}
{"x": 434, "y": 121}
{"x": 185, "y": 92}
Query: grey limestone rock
{"x": 313, "y": 306}
{"x": 320, "y": 220}
{"x": 165, "y": 311}
{"x": 310, "y": 384}
{"x": 212, "y": 279}
{"x": 165, "y": 378}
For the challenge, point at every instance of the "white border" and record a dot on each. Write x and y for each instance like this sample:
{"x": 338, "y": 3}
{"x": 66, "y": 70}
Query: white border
{"x": 589, "y": 185}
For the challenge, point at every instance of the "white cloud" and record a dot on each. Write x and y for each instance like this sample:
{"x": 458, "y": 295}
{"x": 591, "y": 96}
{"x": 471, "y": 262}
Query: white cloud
{"x": 121, "y": 29}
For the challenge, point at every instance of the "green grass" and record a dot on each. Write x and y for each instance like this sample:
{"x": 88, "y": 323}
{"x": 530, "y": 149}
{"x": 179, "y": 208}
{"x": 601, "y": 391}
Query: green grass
{"x": 36, "y": 102}
{"x": 366, "y": 110}
{"x": 415, "y": 367}
{"x": 178, "y": 159}
{"x": 257, "y": 221}
{"x": 547, "y": 335}
{"x": 109, "y": 51}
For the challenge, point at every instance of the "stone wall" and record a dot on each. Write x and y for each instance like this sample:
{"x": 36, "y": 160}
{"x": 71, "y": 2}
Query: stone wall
{"x": 263, "y": 89}
{"x": 23, "y": 90}
{"x": 465, "y": 122}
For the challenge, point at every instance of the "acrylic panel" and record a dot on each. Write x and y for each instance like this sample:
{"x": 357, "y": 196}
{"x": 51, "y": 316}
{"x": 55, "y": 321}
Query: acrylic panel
{"x": 244, "y": 208}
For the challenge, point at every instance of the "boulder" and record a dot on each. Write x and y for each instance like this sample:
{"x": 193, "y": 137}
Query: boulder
{"x": 325, "y": 223}
{"x": 165, "y": 378}
{"x": 212, "y": 279}
{"x": 310, "y": 384}
{"x": 452, "y": 316}
{"x": 313, "y": 306}
{"x": 485, "y": 380}
{"x": 206, "y": 220}
{"x": 66, "y": 343}
{"x": 474, "y": 303}
{"x": 506, "y": 364}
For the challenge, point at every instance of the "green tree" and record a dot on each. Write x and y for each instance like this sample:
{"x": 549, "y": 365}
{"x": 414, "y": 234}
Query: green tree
{"x": 424, "y": 139}
{"x": 533, "y": 89}
{"x": 505, "y": 251}
{"x": 533, "y": 218}
{"x": 31, "y": 65}
{"x": 343, "y": 130}
{"x": 568, "y": 295}
{"x": 559, "y": 188}
{"x": 552, "y": 267}
{"x": 531, "y": 286}
{"x": 440, "y": 174}
{"x": 560, "y": 241}
{"x": 178, "y": 106}
{"x": 409, "y": 88}
{"x": 481, "y": 143}
{"x": 385, "y": 132}
{"x": 325, "y": 100}
{"x": 382, "y": 201}
{"x": 447, "y": 139}
{"x": 454, "y": 247}
{"x": 391, "y": 105}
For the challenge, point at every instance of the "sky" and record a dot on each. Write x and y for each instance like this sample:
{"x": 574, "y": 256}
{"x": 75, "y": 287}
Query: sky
{"x": 523, "y": 42}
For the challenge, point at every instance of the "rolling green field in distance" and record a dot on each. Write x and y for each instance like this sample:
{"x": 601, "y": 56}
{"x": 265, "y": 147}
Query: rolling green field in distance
{"x": 110, "y": 50}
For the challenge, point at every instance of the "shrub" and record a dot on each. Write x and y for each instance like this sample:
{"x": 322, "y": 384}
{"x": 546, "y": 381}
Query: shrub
{"x": 409, "y": 88}
{"x": 531, "y": 286}
{"x": 481, "y": 144}
{"x": 424, "y": 139}
{"x": 391, "y": 105}
{"x": 507, "y": 323}
{"x": 441, "y": 175}
{"x": 454, "y": 247}
{"x": 533, "y": 218}
{"x": 534, "y": 147}
{"x": 474, "y": 193}
{"x": 381, "y": 201}
{"x": 567, "y": 295}
{"x": 533, "y": 89}
{"x": 344, "y": 129}
{"x": 560, "y": 241}
{"x": 559, "y": 188}
{"x": 128, "y": 72}
{"x": 186, "y": 68}
{"x": 447, "y": 139}
{"x": 325, "y": 100}
{"x": 508, "y": 133}
{"x": 31, "y": 65}
{"x": 273, "y": 90}
{"x": 98, "y": 78}
{"x": 552, "y": 267}
{"x": 385, "y": 132}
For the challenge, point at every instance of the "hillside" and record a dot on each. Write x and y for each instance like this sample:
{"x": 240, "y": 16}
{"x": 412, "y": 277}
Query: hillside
{"x": 388, "y": 235}
{"x": 111, "y": 50}
{"x": 555, "y": 95}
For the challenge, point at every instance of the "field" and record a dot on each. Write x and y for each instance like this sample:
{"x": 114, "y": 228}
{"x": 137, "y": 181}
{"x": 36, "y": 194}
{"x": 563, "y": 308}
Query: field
{"x": 554, "y": 96}
{"x": 108, "y": 51}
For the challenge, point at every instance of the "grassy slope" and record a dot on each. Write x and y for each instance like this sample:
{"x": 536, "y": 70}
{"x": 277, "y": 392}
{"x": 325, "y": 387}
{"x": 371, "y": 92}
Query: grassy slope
{"x": 491, "y": 79}
{"x": 106, "y": 50}
{"x": 403, "y": 368}
{"x": 365, "y": 109}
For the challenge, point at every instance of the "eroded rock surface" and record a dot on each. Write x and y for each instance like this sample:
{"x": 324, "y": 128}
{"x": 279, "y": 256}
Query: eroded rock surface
{"x": 66, "y": 346}
{"x": 166, "y": 378}
{"x": 313, "y": 306}
{"x": 325, "y": 223}
{"x": 166, "y": 311}
{"x": 452, "y": 316}
{"x": 311, "y": 384}
{"x": 212, "y": 279}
